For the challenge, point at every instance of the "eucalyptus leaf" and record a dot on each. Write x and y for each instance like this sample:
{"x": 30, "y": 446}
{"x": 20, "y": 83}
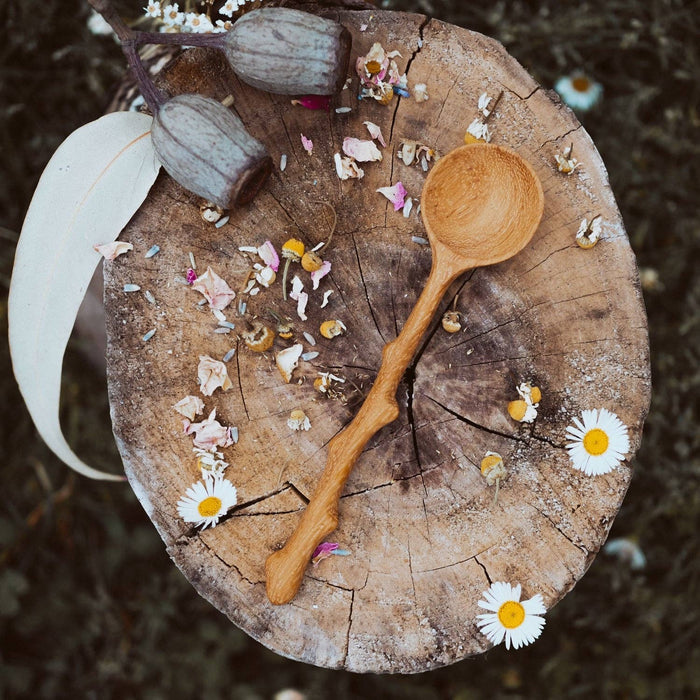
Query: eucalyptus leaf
{"x": 91, "y": 187}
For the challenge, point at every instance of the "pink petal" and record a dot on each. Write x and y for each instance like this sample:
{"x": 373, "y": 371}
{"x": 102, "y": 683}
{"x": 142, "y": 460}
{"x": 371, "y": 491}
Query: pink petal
{"x": 191, "y": 276}
{"x": 308, "y": 144}
{"x": 362, "y": 151}
{"x": 375, "y": 132}
{"x": 212, "y": 374}
{"x": 215, "y": 290}
{"x": 319, "y": 274}
{"x": 323, "y": 551}
{"x": 396, "y": 195}
{"x": 314, "y": 102}
{"x": 209, "y": 433}
{"x": 269, "y": 255}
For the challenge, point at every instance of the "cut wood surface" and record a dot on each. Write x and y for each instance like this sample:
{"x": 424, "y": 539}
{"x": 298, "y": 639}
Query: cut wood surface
{"x": 424, "y": 533}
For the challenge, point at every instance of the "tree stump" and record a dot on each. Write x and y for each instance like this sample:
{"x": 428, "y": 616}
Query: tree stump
{"x": 424, "y": 533}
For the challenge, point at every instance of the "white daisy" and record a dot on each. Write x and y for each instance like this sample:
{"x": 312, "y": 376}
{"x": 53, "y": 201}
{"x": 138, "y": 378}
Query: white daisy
{"x": 579, "y": 91}
{"x": 519, "y": 623}
{"x": 172, "y": 17}
{"x": 206, "y": 501}
{"x": 153, "y": 9}
{"x": 599, "y": 442}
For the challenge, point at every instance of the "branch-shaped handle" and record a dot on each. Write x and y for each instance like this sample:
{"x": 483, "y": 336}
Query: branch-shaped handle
{"x": 285, "y": 568}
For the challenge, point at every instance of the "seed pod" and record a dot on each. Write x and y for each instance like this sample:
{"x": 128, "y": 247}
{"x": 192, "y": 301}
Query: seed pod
{"x": 206, "y": 148}
{"x": 289, "y": 52}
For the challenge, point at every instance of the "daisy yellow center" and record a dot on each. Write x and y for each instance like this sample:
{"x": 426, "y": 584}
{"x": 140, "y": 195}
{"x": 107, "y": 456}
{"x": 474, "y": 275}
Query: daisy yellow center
{"x": 209, "y": 507}
{"x": 511, "y": 614}
{"x": 581, "y": 84}
{"x": 595, "y": 442}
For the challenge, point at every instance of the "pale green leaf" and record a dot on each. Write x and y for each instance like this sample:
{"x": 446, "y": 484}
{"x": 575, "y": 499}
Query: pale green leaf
{"x": 93, "y": 184}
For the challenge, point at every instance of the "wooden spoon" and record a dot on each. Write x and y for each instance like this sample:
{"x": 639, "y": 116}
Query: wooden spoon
{"x": 481, "y": 204}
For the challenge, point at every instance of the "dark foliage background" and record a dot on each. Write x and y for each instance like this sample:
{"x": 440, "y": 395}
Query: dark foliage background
{"x": 90, "y": 605}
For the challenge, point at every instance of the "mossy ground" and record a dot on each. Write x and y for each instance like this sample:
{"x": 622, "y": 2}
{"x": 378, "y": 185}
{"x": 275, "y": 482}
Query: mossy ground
{"x": 91, "y": 606}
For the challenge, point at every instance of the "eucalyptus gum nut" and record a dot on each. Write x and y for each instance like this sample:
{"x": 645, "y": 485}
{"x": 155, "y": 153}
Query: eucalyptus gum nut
{"x": 289, "y": 52}
{"x": 205, "y": 147}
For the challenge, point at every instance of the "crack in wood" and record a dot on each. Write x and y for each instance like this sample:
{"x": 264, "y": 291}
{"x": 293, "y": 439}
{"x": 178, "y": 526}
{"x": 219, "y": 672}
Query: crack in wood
{"x": 364, "y": 287}
{"x": 473, "y": 557}
{"x": 485, "y": 570}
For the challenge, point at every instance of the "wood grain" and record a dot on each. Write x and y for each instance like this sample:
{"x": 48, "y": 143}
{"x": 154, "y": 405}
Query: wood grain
{"x": 417, "y": 516}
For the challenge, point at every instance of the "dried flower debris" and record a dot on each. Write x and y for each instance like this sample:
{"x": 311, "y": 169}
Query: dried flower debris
{"x": 110, "y": 251}
{"x": 325, "y": 550}
{"x": 379, "y": 75}
{"x": 396, "y": 194}
{"x": 209, "y": 433}
{"x": 212, "y": 375}
{"x": 189, "y": 407}
{"x": 298, "y": 420}
{"x": 214, "y": 289}
{"x": 565, "y": 161}
{"x": 287, "y": 361}
{"x": 589, "y": 232}
{"x": 524, "y": 409}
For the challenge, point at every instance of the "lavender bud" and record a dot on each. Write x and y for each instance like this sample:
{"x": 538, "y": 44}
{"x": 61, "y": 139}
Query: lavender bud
{"x": 289, "y": 52}
{"x": 205, "y": 148}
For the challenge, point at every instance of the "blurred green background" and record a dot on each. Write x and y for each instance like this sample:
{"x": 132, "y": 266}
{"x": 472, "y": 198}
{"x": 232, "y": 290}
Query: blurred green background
{"x": 90, "y": 604}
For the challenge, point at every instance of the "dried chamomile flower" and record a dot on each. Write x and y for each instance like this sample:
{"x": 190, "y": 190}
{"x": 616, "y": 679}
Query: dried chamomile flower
{"x": 522, "y": 411}
{"x": 566, "y": 163}
{"x": 287, "y": 361}
{"x": 589, "y": 232}
{"x": 519, "y": 623}
{"x": 494, "y": 471}
{"x": 311, "y": 261}
{"x": 189, "y": 407}
{"x": 324, "y": 383}
{"x": 206, "y": 501}
{"x": 331, "y": 329}
{"x": 264, "y": 276}
{"x": 210, "y": 212}
{"x": 259, "y": 338}
{"x": 599, "y": 442}
{"x": 530, "y": 394}
{"x": 212, "y": 374}
{"x": 451, "y": 321}
{"x": 298, "y": 420}
{"x": 477, "y": 131}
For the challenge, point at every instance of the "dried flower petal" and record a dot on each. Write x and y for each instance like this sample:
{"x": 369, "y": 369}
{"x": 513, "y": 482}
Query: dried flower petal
{"x": 191, "y": 276}
{"x": 298, "y": 420}
{"x": 323, "y": 551}
{"x": 287, "y": 361}
{"x": 308, "y": 144}
{"x": 319, "y": 274}
{"x": 269, "y": 255}
{"x": 362, "y": 151}
{"x": 375, "y": 132}
{"x": 109, "y": 251}
{"x": 347, "y": 168}
{"x": 396, "y": 194}
{"x": 420, "y": 92}
{"x": 215, "y": 290}
{"x": 209, "y": 433}
{"x": 189, "y": 407}
{"x": 314, "y": 101}
{"x": 212, "y": 374}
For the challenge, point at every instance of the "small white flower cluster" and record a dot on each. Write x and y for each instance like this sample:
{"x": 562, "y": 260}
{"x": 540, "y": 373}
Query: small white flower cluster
{"x": 478, "y": 130}
{"x": 193, "y": 22}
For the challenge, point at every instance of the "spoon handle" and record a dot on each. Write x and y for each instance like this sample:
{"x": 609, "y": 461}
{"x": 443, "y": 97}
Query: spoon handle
{"x": 285, "y": 568}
